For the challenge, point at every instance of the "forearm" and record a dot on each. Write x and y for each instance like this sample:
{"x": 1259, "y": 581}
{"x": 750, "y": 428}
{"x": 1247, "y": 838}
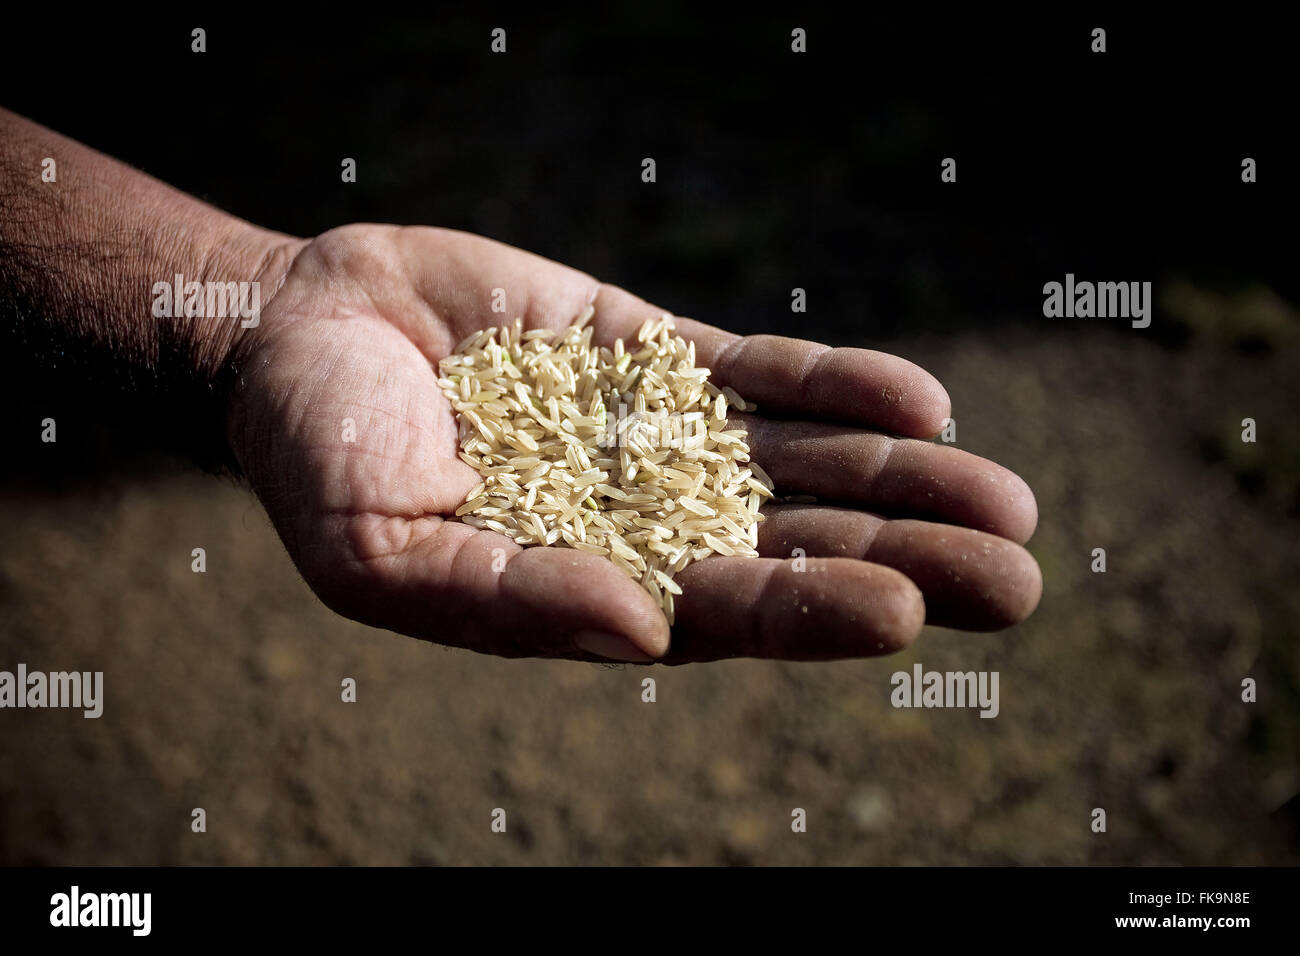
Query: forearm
{"x": 83, "y": 259}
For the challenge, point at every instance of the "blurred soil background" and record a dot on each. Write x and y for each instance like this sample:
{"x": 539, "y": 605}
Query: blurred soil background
{"x": 774, "y": 171}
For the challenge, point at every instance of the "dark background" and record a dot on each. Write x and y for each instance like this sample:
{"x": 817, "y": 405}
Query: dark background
{"x": 775, "y": 170}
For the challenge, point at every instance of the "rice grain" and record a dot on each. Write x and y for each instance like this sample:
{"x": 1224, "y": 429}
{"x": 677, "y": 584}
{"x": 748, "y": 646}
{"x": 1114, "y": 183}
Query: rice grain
{"x": 623, "y": 452}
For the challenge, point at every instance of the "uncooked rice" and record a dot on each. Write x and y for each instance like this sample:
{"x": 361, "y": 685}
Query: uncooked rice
{"x": 629, "y": 455}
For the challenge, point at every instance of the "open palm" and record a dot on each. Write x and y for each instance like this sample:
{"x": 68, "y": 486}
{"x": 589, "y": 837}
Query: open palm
{"x": 339, "y": 425}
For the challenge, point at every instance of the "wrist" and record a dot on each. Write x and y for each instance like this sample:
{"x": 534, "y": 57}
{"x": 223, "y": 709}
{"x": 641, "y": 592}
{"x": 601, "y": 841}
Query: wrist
{"x": 236, "y": 274}
{"x": 116, "y": 292}
{"x": 209, "y": 284}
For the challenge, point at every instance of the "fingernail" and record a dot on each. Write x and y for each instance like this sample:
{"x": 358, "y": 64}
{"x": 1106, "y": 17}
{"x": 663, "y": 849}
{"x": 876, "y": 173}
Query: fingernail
{"x": 610, "y": 646}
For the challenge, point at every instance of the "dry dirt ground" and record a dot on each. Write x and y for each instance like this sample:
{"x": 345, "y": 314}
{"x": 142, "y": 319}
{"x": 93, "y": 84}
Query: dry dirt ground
{"x": 1122, "y": 692}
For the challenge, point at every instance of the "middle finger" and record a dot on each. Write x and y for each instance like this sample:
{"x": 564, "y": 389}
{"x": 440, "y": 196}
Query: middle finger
{"x": 902, "y": 476}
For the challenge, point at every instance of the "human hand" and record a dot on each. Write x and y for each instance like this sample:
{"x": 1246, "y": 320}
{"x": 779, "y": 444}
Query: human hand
{"x": 355, "y": 333}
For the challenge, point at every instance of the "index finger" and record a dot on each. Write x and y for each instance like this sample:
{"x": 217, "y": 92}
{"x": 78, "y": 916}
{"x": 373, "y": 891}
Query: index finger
{"x": 789, "y": 375}
{"x": 854, "y": 386}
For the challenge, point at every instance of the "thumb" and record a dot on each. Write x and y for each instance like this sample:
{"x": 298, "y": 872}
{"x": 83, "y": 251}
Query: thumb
{"x": 447, "y": 582}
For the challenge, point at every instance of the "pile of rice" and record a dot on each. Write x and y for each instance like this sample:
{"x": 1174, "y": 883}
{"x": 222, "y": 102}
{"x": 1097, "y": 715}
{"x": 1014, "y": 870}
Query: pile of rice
{"x": 626, "y": 454}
